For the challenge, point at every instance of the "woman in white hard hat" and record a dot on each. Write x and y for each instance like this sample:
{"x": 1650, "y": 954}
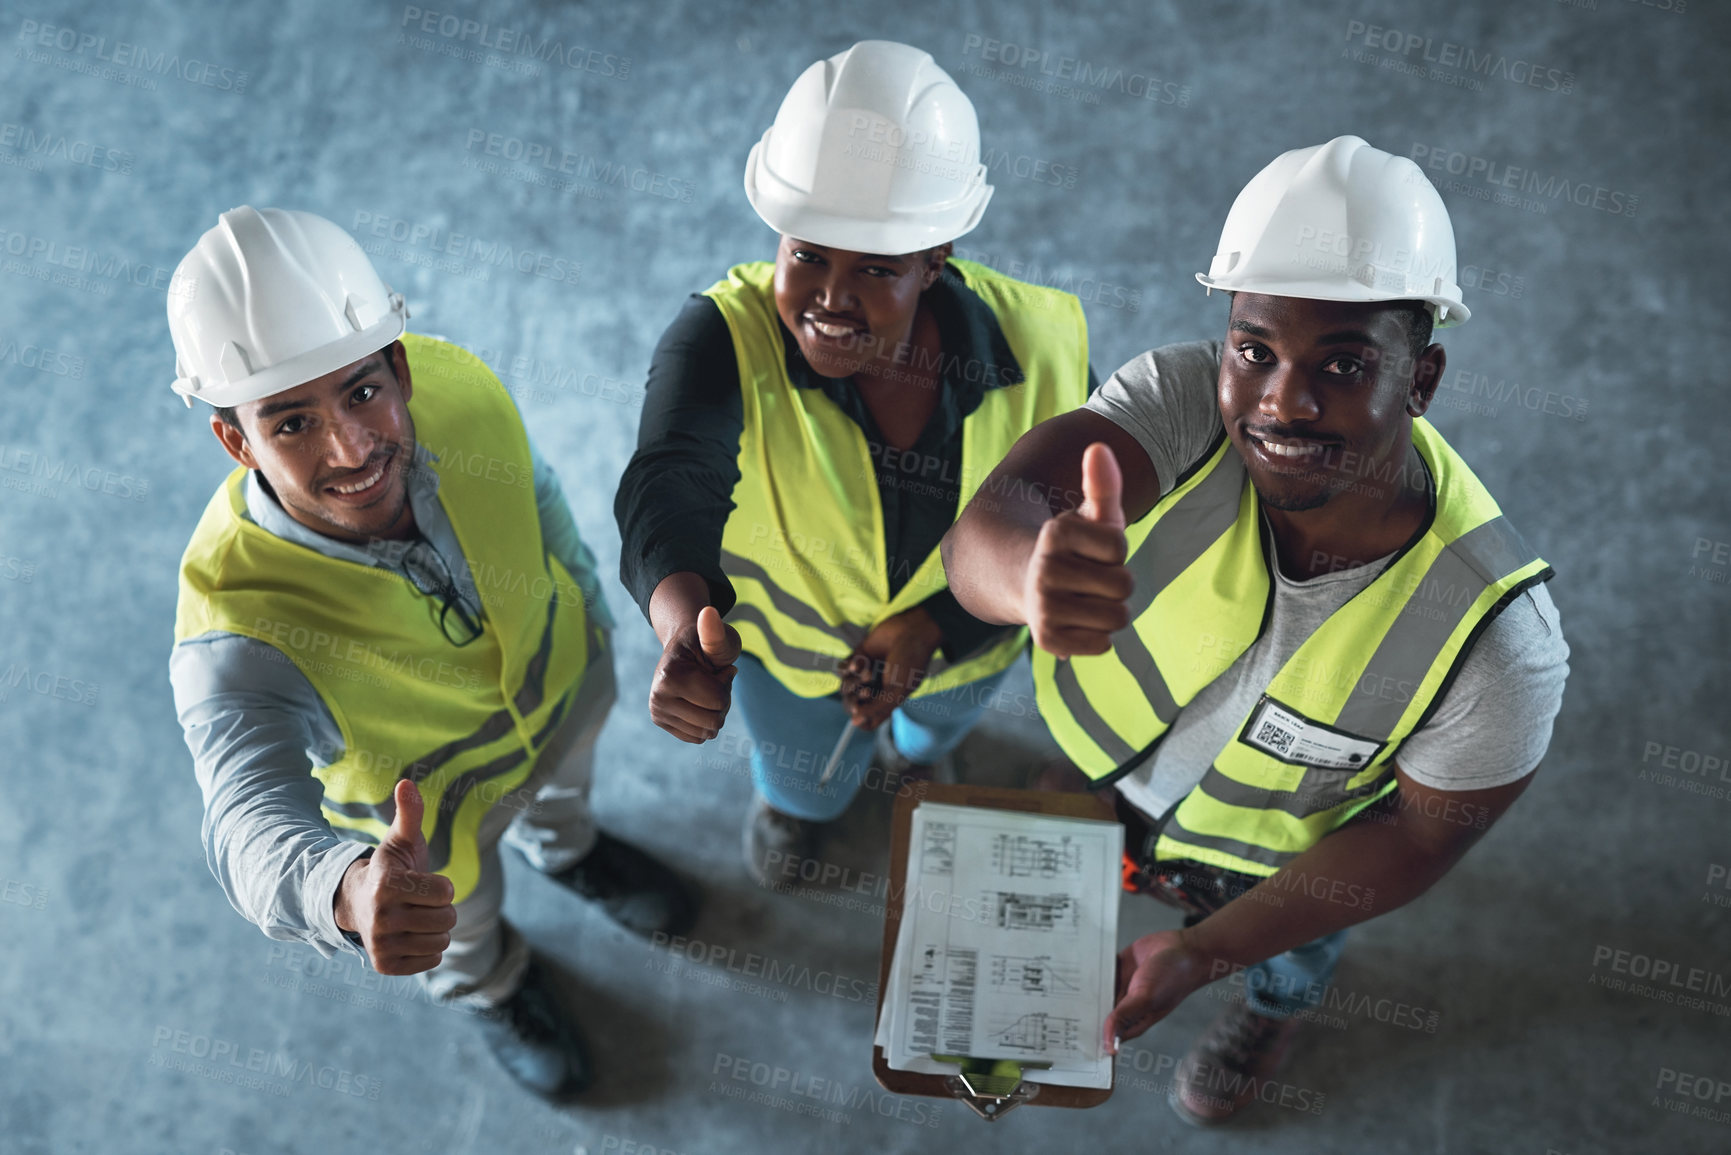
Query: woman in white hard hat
{"x": 812, "y": 427}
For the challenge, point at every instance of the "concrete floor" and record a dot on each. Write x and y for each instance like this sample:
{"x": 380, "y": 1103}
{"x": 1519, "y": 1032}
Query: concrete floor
{"x": 1587, "y": 391}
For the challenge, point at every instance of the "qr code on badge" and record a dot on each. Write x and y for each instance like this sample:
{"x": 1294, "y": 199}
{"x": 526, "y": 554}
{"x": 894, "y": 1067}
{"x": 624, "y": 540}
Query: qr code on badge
{"x": 1276, "y": 738}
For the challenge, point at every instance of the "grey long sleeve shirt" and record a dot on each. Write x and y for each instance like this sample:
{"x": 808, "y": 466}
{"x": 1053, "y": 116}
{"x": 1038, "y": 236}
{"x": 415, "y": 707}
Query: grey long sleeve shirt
{"x": 257, "y": 728}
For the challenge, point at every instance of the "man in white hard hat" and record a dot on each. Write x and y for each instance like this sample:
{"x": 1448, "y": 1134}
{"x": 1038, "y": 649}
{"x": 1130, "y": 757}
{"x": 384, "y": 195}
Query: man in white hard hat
{"x": 1281, "y": 578}
{"x": 391, "y": 650}
{"x": 811, "y": 428}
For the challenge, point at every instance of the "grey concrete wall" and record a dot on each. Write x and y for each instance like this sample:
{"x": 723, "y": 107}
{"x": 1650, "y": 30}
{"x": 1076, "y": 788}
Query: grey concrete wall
{"x": 1587, "y": 391}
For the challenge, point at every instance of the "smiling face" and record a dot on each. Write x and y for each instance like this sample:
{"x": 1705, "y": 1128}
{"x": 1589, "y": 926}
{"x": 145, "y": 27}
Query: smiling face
{"x": 1318, "y": 397}
{"x": 335, "y": 450}
{"x": 851, "y": 312}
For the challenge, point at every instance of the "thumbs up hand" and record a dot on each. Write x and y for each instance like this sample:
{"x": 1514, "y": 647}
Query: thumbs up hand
{"x": 402, "y": 912}
{"x": 693, "y": 684}
{"x": 1102, "y": 487}
{"x": 719, "y": 641}
{"x": 1075, "y": 587}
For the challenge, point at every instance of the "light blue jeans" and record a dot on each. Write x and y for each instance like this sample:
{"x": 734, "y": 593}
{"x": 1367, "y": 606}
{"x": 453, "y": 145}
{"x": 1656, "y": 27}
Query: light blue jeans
{"x": 1287, "y": 983}
{"x": 792, "y": 737}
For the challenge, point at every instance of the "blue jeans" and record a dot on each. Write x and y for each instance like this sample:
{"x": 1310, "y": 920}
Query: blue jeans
{"x": 792, "y": 737}
{"x": 1287, "y": 983}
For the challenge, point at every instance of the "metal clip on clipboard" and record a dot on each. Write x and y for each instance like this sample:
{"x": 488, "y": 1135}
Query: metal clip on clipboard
{"x": 991, "y": 1087}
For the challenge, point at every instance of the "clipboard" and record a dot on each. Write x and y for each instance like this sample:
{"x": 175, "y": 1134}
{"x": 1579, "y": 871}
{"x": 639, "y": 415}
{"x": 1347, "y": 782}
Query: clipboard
{"x": 987, "y": 1089}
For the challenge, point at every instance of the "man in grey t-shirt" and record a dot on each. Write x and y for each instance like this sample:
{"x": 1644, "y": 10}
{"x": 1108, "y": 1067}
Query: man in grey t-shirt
{"x": 1279, "y": 799}
{"x": 1493, "y": 724}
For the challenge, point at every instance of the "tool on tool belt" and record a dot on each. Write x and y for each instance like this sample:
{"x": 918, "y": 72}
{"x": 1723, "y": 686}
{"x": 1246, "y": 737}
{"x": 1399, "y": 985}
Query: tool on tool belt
{"x": 1196, "y": 888}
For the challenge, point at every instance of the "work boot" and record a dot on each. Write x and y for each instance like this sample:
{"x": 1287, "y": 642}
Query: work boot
{"x": 1228, "y": 1064}
{"x": 773, "y": 839}
{"x": 900, "y": 771}
{"x": 535, "y": 1041}
{"x": 635, "y": 890}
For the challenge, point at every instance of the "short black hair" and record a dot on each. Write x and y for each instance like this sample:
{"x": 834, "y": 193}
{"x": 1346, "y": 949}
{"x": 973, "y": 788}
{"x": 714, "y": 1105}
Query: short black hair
{"x": 1419, "y": 321}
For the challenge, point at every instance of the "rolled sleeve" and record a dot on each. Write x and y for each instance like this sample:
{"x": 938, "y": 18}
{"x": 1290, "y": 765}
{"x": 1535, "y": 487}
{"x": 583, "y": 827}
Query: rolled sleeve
{"x": 677, "y": 491}
{"x": 252, "y": 721}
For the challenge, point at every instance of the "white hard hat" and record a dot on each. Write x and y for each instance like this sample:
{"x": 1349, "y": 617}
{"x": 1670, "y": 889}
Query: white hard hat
{"x": 874, "y": 150}
{"x": 1341, "y": 221}
{"x": 275, "y": 298}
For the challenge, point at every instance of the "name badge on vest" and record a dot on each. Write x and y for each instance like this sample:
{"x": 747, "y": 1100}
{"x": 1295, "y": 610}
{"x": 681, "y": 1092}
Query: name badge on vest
{"x": 1280, "y": 731}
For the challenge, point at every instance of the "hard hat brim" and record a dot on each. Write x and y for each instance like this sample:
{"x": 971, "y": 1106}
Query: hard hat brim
{"x": 297, "y": 371}
{"x": 1453, "y": 312}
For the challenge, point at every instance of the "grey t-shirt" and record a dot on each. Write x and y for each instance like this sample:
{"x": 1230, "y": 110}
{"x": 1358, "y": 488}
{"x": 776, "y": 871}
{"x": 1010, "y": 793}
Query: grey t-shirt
{"x": 1492, "y": 726}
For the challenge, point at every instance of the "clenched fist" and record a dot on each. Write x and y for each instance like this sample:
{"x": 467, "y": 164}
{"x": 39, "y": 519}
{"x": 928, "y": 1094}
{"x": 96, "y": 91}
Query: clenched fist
{"x": 888, "y": 666}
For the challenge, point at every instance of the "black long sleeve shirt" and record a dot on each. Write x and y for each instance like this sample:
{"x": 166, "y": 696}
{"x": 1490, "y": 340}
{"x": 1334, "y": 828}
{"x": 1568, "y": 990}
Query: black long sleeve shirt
{"x": 676, "y": 494}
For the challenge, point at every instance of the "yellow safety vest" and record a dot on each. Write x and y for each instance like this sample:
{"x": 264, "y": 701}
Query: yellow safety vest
{"x": 465, "y": 723}
{"x": 804, "y": 546}
{"x": 1317, "y": 747}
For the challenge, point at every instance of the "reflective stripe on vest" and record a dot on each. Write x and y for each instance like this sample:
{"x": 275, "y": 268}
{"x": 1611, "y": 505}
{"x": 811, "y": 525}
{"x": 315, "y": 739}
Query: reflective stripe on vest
{"x": 1373, "y": 671}
{"x": 804, "y": 546}
{"x": 465, "y": 723}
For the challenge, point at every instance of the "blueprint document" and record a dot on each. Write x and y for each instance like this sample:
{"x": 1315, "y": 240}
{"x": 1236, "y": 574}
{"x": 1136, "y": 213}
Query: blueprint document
{"x": 1008, "y": 943}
